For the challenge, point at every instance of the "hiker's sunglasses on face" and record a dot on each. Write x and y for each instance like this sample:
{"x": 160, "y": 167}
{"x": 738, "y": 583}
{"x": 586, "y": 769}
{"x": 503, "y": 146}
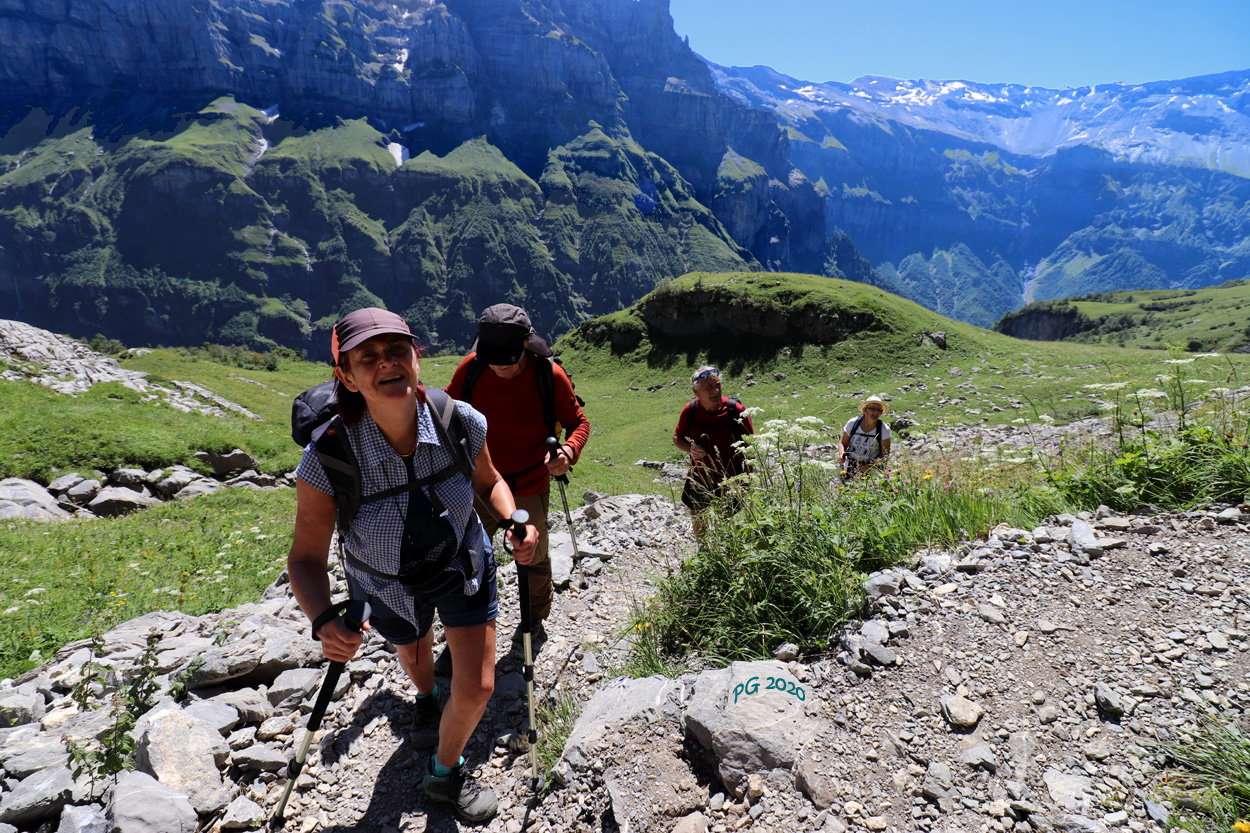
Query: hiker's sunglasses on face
{"x": 873, "y": 409}
{"x": 705, "y": 374}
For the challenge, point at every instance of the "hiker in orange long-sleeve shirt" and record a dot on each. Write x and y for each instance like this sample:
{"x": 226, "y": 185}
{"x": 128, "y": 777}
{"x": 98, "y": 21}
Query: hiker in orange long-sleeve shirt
{"x": 526, "y": 397}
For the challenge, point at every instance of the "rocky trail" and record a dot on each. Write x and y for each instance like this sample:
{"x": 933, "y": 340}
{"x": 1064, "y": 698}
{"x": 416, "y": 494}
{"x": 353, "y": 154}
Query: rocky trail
{"x": 1017, "y": 683}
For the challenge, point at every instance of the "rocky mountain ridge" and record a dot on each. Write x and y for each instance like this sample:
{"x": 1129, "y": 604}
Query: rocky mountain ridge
{"x": 176, "y": 171}
{"x": 977, "y": 198}
{"x": 1202, "y": 121}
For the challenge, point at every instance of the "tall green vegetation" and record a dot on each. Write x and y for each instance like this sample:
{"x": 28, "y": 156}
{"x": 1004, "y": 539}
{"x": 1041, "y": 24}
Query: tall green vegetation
{"x": 1182, "y": 438}
{"x": 785, "y": 552}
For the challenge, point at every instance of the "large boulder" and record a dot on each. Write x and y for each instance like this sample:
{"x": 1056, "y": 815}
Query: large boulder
{"x": 27, "y": 499}
{"x": 751, "y": 717}
{"x": 118, "y": 500}
{"x": 184, "y": 753}
{"x": 141, "y": 804}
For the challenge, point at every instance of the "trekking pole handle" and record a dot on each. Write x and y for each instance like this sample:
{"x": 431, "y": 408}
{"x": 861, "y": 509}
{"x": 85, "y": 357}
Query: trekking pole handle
{"x": 553, "y": 448}
{"x": 519, "y": 518}
{"x": 356, "y": 614}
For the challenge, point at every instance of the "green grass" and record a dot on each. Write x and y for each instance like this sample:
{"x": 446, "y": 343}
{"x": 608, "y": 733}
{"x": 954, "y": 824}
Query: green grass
{"x": 109, "y": 426}
{"x": 633, "y": 398}
{"x": 70, "y": 580}
{"x": 1210, "y": 773}
{"x": 1212, "y": 318}
{"x": 631, "y": 422}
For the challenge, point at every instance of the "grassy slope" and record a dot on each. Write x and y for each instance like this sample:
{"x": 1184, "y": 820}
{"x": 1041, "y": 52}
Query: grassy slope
{"x": 109, "y": 426}
{"x": 132, "y": 559}
{"x": 631, "y": 422}
{"x": 1213, "y": 317}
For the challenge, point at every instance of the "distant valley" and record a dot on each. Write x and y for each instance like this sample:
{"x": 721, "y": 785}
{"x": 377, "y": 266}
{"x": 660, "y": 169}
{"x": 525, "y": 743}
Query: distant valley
{"x": 245, "y": 171}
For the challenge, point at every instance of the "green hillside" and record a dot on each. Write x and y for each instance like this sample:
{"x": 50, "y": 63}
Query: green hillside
{"x": 1216, "y": 318}
{"x": 790, "y": 345}
{"x": 845, "y": 341}
{"x": 229, "y": 225}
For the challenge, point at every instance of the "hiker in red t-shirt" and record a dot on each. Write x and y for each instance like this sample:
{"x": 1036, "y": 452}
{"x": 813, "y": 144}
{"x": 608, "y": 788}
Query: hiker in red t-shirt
{"x": 707, "y": 430}
{"x": 508, "y": 392}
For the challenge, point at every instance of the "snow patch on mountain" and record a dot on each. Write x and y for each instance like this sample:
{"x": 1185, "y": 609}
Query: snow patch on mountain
{"x": 1203, "y": 121}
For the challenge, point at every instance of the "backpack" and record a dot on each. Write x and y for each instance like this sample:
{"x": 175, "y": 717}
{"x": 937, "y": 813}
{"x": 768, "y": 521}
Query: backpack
{"x": 736, "y": 413}
{"x": 315, "y": 419}
{"x": 543, "y": 369}
{"x": 855, "y": 430}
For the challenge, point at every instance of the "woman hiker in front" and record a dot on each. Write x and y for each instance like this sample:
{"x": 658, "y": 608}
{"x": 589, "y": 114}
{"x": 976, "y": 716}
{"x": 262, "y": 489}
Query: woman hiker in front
{"x": 417, "y": 549}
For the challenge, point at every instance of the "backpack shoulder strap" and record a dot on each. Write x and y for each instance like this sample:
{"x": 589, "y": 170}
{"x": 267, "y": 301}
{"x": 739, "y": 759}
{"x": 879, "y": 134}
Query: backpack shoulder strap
{"x": 736, "y": 411}
{"x": 545, "y": 372}
{"x": 450, "y": 429}
{"x": 472, "y": 374}
{"x": 341, "y": 467}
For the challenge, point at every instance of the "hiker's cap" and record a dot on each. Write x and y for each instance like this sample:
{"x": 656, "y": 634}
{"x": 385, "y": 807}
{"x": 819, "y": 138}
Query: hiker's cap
{"x": 874, "y": 400}
{"x": 355, "y": 327}
{"x": 502, "y": 334}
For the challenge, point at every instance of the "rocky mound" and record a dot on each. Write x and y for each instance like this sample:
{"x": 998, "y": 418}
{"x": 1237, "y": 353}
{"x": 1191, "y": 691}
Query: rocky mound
{"x": 70, "y": 367}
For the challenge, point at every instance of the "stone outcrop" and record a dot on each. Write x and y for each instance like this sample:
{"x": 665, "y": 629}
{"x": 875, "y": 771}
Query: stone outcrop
{"x": 70, "y": 367}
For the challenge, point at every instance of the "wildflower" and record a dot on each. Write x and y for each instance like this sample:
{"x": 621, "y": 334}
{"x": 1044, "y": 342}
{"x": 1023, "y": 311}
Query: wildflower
{"x": 1046, "y": 418}
{"x": 1178, "y": 361}
{"x": 1242, "y": 826}
{"x": 928, "y": 475}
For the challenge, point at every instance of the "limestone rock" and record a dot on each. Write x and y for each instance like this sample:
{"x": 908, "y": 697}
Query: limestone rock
{"x": 141, "y": 804}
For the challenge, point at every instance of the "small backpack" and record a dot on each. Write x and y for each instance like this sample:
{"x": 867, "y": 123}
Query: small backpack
{"x": 315, "y": 419}
{"x": 855, "y": 430}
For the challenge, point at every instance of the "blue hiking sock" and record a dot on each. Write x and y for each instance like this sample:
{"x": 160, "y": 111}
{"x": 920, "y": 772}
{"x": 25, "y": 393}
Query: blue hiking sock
{"x": 441, "y": 771}
{"x": 433, "y": 693}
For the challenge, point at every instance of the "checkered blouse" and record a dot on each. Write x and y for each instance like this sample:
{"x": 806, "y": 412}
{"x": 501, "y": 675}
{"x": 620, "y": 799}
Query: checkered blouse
{"x": 377, "y": 532}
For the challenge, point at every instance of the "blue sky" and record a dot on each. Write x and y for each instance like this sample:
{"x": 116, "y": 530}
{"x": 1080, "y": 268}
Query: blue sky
{"x": 1050, "y": 44}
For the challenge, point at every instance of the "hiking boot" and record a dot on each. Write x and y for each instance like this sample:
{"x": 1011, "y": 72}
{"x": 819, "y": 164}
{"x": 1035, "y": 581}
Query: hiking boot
{"x": 473, "y": 802}
{"x": 537, "y": 637}
{"x": 429, "y": 713}
{"x": 442, "y": 663}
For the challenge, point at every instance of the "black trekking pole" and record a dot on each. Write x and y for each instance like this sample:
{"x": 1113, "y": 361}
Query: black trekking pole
{"x": 553, "y": 448}
{"x": 355, "y": 613}
{"x": 520, "y": 518}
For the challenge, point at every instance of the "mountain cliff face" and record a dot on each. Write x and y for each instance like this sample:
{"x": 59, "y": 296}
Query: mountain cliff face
{"x": 183, "y": 170}
{"x": 174, "y": 171}
{"x": 1007, "y": 194}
